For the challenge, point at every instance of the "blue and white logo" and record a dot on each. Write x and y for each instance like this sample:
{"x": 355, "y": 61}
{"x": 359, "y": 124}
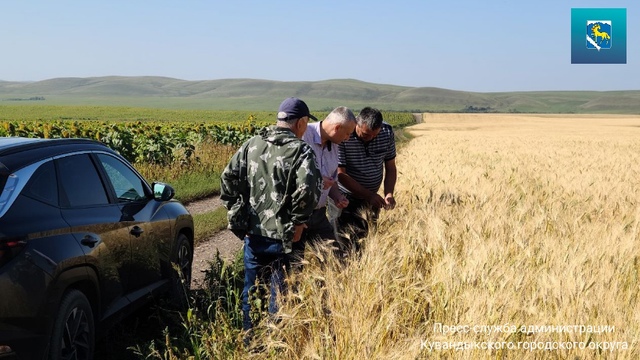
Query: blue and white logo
{"x": 596, "y": 25}
{"x": 599, "y": 34}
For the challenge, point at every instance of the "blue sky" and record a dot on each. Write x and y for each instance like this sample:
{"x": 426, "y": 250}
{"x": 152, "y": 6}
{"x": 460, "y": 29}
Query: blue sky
{"x": 484, "y": 46}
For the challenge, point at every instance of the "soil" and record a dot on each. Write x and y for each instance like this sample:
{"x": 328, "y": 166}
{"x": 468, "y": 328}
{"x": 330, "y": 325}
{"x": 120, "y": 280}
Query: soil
{"x": 224, "y": 241}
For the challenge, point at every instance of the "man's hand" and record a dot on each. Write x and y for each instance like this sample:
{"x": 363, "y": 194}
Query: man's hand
{"x": 376, "y": 201}
{"x": 298, "y": 232}
{"x": 389, "y": 201}
{"x": 341, "y": 202}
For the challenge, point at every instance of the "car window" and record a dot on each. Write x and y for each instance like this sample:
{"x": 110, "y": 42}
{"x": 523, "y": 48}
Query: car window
{"x": 3, "y": 180}
{"x": 43, "y": 184}
{"x": 127, "y": 185}
{"x": 80, "y": 182}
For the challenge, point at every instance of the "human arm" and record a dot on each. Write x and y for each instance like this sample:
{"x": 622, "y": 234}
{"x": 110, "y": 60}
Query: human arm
{"x": 234, "y": 193}
{"x": 390, "y": 177}
{"x": 390, "y": 171}
{"x": 307, "y": 184}
{"x": 230, "y": 181}
{"x": 358, "y": 190}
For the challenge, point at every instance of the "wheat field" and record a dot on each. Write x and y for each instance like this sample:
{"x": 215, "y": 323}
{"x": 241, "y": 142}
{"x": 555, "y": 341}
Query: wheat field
{"x": 515, "y": 237}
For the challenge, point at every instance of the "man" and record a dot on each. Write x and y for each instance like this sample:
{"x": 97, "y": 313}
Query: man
{"x": 362, "y": 158}
{"x": 270, "y": 188}
{"x": 323, "y": 137}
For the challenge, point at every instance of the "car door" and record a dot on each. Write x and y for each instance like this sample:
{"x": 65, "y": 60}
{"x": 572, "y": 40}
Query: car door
{"x": 149, "y": 225}
{"x": 40, "y": 247}
{"x": 96, "y": 223}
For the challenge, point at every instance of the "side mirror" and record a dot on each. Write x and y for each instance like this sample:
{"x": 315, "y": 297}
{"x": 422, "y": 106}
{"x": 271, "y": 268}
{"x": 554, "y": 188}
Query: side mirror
{"x": 162, "y": 191}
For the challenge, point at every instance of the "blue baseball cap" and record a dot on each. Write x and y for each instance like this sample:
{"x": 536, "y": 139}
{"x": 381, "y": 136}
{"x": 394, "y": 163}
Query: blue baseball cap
{"x": 294, "y": 108}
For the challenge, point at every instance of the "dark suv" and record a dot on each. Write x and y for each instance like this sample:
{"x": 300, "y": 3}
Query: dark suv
{"x": 84, "y": 240}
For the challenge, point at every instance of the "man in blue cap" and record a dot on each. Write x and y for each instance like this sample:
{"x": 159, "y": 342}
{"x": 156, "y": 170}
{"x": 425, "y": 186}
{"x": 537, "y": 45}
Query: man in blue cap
{"x": 270, "y": 188}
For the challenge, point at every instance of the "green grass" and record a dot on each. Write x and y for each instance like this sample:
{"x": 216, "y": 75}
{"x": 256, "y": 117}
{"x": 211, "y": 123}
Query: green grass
{"x": 196, "y": 185}
{"x": 196, "y": 180}
{"x": 190, "y": 184}
{"x": 209, "y": 223}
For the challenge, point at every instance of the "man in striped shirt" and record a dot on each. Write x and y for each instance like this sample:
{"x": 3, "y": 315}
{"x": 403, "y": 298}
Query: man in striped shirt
{"x": 363, "y": 160}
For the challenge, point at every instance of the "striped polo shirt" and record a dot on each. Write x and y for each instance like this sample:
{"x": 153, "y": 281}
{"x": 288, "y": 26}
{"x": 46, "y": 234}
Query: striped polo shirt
{"x": 364, "y": 162}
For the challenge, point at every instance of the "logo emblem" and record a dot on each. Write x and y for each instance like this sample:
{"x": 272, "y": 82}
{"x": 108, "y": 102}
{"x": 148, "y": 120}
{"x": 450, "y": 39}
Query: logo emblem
{"x": 599, "y": 34}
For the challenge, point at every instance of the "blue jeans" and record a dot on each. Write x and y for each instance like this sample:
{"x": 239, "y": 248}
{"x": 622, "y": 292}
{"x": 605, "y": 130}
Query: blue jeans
{"x": 265, "y": 261}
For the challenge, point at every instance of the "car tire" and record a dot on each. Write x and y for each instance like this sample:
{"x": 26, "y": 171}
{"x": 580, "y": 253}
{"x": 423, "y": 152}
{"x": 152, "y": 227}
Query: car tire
{"x": 73, "y": 335}
{"x": 181, "y": 278}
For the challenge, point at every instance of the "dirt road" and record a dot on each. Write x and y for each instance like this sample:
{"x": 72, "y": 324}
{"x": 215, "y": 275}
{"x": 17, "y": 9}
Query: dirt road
{"x": 224, "y": 242}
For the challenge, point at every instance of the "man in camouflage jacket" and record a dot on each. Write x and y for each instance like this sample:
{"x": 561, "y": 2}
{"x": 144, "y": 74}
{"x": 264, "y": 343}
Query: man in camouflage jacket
{"x": 270, "y": 188}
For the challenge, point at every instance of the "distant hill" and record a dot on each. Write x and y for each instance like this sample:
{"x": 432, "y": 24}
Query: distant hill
{"x": 254, "y": 94}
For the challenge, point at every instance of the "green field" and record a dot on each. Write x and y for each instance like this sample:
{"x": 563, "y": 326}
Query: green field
{"x": 264, "y": 95}
{"x": 185, "y": 148}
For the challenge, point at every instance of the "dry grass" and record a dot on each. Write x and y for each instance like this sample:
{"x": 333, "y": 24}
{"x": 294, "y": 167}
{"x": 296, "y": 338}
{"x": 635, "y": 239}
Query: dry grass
{"x": 195, "y": 179}
{"x": 515, "y": 220}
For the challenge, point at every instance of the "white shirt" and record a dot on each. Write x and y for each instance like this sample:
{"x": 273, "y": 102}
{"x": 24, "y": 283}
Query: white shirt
{"x": 326, "y": 157}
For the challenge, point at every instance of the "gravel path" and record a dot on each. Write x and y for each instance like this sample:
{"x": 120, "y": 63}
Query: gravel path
{"x": 224, "y": 241}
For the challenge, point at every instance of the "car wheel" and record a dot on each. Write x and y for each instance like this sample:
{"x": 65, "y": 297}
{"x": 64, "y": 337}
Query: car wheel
{"x": 73, "y": 332}
{"x": 182, "y": 259}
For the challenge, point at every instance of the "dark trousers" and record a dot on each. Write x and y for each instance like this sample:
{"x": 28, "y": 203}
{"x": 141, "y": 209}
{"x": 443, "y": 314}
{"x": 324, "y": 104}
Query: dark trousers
{"x": 354, "y": 223}
{"x": 318, "y": 227}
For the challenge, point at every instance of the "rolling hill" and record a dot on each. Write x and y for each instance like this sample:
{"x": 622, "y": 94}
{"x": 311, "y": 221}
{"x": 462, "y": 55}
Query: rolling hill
{"x": 255, "y": 94}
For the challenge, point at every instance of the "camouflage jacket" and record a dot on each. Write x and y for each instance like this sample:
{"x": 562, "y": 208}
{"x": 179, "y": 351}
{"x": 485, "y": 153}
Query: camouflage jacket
{"x": 270, "y": 185}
